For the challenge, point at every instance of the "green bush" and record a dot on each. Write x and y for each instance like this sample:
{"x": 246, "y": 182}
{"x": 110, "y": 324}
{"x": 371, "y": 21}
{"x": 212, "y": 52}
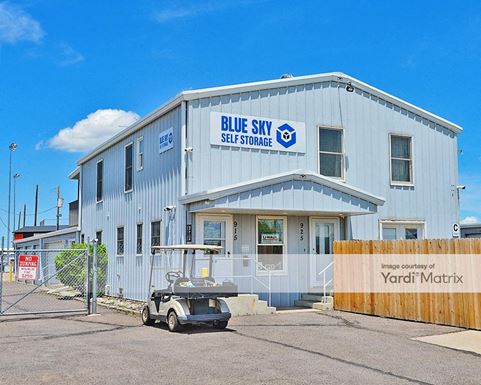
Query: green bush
{"x": 75, "y": 273}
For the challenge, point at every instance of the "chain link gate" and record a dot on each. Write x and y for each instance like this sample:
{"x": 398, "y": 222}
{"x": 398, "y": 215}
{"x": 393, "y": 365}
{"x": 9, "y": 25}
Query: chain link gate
{"x": 45, "y": 281}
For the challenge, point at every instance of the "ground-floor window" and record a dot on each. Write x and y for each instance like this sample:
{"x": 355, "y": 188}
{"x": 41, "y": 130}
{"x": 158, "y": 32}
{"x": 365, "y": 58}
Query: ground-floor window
{"x": 139, "y": 245}
{"x": 271, "y": 244}
{"x": 120, "y": 241}
{"x": 215, "y": 233}
{"x": 392, "y": 230}
{"x": 155, "y": 231}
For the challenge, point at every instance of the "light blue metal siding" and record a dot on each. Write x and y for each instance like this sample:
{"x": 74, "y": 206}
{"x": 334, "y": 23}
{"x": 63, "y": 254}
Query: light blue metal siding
{"x": 367, "y": 122}
{"x": 155, "y": 187}
{"x": 294, "y": 195}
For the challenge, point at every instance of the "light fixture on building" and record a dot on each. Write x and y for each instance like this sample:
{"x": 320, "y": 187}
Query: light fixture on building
{"x": 349, "y": 87}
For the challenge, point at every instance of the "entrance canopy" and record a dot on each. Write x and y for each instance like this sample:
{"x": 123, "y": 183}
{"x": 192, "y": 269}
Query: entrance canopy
{"x": 294, "y": 192}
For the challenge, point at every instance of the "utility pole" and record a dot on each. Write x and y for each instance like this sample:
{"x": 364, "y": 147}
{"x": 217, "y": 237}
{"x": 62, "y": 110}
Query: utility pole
{"x": 36, "y": 207}
{"x": 59, "y": 206}
{"x": 12, "y": 148}
{"x": 15, "y": 177}
{"x": 19, "y": 219}
{"x": 24, "y": 214}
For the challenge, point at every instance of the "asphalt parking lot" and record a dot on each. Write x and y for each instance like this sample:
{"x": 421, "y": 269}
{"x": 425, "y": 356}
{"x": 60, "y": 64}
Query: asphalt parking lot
{"x": 288, "y": 348}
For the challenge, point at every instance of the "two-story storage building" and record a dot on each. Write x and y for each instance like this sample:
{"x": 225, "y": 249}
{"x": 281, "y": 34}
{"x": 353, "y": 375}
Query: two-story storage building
{"x": 273, "y": 171}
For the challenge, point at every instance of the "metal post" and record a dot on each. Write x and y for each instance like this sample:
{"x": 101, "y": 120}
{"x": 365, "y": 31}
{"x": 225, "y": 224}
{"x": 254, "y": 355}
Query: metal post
{"x": 87, "y": 283}
{"x": 324, "y": 284}
{"x": 270, "y": 289}
{"x": 94, "y": 279}
{"x": 15, "y": 177}
{"x": 12, "y": 148}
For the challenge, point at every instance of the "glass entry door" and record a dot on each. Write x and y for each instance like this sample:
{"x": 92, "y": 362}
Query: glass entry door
{"x": 217, "y": 231}
{"x": 323, "y": 232}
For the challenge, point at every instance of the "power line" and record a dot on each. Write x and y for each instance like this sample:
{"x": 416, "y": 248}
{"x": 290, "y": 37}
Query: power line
{"x": 31, "y": 215}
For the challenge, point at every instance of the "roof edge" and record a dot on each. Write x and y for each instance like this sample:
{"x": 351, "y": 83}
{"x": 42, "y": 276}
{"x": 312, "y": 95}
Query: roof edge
{"x": 263, "y": 85}
{"x": 299, "y": 174}
{"x": 149, "y": 118}
{"x": 67, "y": 230}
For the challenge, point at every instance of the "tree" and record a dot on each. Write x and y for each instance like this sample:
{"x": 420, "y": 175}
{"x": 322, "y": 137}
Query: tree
{"x": 72, "y": 270}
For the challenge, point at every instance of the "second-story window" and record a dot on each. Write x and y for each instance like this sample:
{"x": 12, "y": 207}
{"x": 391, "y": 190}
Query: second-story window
{"x": 401, "y": 159}
{"x": 100, "y": 180}
{"x": 331, "y": 153}
{"x": 129, "y": 176}
{"x": 140, "y": 154}
{"x": 120, "y": 241}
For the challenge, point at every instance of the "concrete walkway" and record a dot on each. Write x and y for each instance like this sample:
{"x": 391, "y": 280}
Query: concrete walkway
{"x": 469, "y": 340}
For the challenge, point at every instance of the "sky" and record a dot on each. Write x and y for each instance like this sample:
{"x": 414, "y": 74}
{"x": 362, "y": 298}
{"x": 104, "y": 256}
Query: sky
{"x": 74, "y": 73}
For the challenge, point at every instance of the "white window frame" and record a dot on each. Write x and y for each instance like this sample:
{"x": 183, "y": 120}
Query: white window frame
{"x": 342, "y": 178}
{"x": 140, "y": 158}
{"x": 161, "y": 234}
{"x": 402, "y": 225}
{"x": 137, "y": 238}
{"x": 262, "y": 272}
{"x": 101, "y": 236}
{"x": 411, "y": 168}
{"x": 125, "y": 167}
{"x": 96, "y": 180}
{"x": 117, "y": 241}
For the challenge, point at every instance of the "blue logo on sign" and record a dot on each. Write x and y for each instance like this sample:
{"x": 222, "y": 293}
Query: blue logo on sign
{"x": 286, "y": 135}
{"x": 170, "y": 138}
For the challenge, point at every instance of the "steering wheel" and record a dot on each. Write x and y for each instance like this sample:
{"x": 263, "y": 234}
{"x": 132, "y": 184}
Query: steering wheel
{"x": 172, "y": 276}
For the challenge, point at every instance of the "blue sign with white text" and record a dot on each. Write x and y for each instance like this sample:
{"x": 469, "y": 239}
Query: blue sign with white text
{"x": 254, "y": 132}
{"x": 166, "y": 140}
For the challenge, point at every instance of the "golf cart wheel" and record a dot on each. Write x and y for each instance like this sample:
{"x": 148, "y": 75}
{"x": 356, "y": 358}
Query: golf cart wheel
{"x": 173, "y": 322}
{"x": 146, "y": 320}
{"x": 220, "y": 324}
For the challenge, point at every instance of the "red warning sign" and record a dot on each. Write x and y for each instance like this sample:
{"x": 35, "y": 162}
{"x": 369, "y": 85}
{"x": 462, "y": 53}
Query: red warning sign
{"x": 27, "y": 267}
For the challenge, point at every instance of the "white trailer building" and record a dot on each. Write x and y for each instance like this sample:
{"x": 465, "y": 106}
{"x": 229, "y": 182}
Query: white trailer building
{"x": 273, "y": 171}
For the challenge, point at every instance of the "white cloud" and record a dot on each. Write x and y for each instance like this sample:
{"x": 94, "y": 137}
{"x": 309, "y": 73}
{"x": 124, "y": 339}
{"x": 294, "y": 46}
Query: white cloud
{"x": 90, "y": 132}
{"x": 470, "y": 221}
{"x": 17, "y": 25}
{"x": 69, "y": 55}
{"x": 198, "y": 8}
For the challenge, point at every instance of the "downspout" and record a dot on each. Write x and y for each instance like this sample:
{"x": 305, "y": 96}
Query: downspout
{"x": 80, "y": 189}
{"x": 183, "y": 166}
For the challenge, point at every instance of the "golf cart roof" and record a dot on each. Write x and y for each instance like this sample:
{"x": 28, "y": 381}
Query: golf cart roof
{"x": 188, "y": 247}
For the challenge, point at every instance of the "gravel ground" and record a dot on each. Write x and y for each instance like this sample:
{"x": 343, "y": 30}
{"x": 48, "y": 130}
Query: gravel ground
{"x": 285, "y": 348}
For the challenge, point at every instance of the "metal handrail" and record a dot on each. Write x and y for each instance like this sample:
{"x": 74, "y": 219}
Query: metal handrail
{"x": 257, "y": 264}
{"x": 324, "y": 283}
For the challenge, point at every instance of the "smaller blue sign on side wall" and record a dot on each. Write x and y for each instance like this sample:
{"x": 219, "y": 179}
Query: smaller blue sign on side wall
{"x": 166, "y": 140}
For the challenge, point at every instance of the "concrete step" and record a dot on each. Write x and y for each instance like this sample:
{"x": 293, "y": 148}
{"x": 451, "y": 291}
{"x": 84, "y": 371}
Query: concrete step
{"x": 312, "y": 297}
{"x": 263, "y": 308}
{"x": 248, "y": 304}
{"x": 302, "y": 303}
{"x": 323, "y": 305}
{"x": 315, "y": 301}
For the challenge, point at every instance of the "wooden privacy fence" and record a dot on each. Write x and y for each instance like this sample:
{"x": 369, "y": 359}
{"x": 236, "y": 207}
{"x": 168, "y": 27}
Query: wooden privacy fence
{"x": 455, "y": 309}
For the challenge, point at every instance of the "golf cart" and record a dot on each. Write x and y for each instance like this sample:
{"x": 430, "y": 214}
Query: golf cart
{"x": 188, "y": 299}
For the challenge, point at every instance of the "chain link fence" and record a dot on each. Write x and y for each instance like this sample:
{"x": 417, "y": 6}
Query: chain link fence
{"x": 51, "y": 280}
